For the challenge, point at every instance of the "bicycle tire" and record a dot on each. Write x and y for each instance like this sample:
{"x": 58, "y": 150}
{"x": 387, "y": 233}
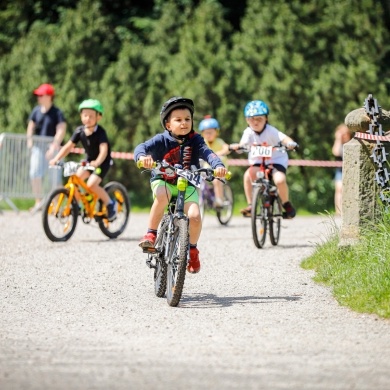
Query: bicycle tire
{"x": 225, "y": 213}
{"x": 61, "y": 225}
{"x": 275, "y": 220}
{"x": 115, "y": 228}
{"x": 160, "y": 272}
{"x": 202, "y": 200}
{"x": 258, "y": 216}
{"x": 177, "y": 264}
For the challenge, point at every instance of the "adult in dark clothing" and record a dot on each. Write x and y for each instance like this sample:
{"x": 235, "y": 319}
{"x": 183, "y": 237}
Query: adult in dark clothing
{"x": 45, "y": 120}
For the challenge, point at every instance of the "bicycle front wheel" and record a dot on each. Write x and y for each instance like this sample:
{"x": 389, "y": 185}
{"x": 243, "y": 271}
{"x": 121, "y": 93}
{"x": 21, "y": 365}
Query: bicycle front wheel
{"x": 59, "y": 216}
{"x": 202, "y": 200}
{"x": 225, "y": 213}
{"x": 259, "y": 221}
{"x": 160, "y": 272}
{"x": 275, "y": 220}
{"x": 117, "y": 192}
{"x": 177, "y": 263}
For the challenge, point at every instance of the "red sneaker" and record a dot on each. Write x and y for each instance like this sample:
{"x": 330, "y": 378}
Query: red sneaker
{"x": 147, "y": 241}
{"x": 194, "y": 264}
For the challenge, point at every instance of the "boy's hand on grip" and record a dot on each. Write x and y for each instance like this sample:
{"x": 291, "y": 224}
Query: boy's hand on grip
{"x": 221, "y": 172}
{"x": 146, "y": 162}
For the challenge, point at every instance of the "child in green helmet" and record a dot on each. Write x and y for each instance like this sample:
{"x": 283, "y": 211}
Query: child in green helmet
{"x": 97, "y": 148}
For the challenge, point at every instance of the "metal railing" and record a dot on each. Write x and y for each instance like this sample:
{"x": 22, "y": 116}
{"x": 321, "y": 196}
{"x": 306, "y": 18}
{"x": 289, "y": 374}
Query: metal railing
{"x": 24, "y": 172}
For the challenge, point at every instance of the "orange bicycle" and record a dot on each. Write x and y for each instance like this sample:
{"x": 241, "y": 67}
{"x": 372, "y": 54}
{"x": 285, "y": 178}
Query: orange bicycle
{"x": 64, "y": 205}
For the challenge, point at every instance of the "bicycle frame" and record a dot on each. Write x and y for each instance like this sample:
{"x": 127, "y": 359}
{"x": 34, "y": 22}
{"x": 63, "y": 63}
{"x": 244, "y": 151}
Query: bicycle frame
{"x": 170, "y": 255}
{"x": 73, "y": 185}
{"x": 66, "y": 203}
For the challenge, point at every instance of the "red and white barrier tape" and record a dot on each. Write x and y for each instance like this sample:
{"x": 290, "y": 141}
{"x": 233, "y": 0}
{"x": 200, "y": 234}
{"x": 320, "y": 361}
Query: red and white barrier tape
{"x": 371, "y": 137}
{"x": 235, "y": 162}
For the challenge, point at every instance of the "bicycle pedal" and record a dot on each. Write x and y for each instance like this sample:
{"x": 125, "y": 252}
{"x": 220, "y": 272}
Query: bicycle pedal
{"x": 149, "y": 264}
{"x": 149, "y": 250}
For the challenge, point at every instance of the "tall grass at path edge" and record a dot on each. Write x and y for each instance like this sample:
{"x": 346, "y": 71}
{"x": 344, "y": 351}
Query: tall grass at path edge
{"x": 358, "y": 275}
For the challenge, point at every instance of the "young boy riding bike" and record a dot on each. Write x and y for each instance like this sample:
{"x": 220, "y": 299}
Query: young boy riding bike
{"x": 97, "y": 147}
{"x": 259, "y": 132}
{"x": 178, "y": 144}
{"x": 209, "y": 129}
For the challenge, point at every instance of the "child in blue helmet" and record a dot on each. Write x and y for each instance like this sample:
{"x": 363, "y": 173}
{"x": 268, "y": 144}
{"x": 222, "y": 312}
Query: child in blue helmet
{"x": 259, "y": 131}
{"x": 97, "y": 147}
{"x": 209, "y": 129}
{"x": 178, "y": 144}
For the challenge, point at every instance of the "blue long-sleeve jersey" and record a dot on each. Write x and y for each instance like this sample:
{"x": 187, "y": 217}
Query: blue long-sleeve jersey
{"x": 164, "y": 147}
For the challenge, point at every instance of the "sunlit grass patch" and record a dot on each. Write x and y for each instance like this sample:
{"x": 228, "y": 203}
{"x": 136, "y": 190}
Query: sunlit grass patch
{"x": 359, "y": 275}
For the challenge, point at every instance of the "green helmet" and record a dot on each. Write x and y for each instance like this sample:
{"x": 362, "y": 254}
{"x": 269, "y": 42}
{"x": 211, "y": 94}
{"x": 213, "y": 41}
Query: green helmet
{"x": 93, "y": 104}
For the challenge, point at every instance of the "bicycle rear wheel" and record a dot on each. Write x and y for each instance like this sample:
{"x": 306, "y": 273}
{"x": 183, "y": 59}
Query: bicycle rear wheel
{"x": 59, "y": 216}
{"x": 117, "y": 192}
{"x": 177, "y": 262}
{"x": 259, "y": 220}
{"x": 160, "y": 272}
{"x": 225, "y": 213}
{"x": 275, "y": 220}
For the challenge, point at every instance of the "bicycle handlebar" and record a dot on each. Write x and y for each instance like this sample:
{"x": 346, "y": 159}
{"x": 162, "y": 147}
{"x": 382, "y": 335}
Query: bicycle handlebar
{"x": 163, "y": 164}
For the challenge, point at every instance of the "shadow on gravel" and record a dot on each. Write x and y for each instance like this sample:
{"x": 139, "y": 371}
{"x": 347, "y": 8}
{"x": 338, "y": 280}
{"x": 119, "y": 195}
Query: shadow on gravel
{"x": 207, "y": 301}
{"x": 110, "y": 240}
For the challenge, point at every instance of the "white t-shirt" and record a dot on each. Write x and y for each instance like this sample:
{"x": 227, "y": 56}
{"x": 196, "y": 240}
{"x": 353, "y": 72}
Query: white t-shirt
{"x": 271, "y": 136}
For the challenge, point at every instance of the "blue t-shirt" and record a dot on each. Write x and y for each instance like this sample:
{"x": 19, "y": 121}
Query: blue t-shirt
{"x": 46, "y": 123}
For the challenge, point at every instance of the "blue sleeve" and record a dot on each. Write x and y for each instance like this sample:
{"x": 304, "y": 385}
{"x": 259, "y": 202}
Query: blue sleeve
{"x": 150, "y": 147}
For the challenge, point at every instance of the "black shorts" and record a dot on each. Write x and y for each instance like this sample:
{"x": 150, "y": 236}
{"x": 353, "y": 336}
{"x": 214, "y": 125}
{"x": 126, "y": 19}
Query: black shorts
{"x": 102, "y": 170}
{"x": 276, "y": 168}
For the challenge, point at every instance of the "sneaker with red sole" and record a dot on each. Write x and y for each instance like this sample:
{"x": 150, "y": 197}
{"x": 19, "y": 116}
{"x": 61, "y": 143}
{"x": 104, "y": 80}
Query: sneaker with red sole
{"x": 148, "y": 241}
{"x": 289, "y": 211}
{"x": 193, "y": 266}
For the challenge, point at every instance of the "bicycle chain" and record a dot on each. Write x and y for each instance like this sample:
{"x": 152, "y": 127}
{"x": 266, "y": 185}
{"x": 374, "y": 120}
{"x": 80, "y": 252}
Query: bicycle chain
{"x": 379, "y": 154}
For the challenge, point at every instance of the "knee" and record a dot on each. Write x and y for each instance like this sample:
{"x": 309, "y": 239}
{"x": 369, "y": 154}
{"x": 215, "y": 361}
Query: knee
{"x": 194, "y": 215}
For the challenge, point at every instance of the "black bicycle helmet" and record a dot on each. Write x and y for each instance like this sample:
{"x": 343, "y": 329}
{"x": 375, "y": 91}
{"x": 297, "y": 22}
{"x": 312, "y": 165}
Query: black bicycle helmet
{"x": 173, "y": 103}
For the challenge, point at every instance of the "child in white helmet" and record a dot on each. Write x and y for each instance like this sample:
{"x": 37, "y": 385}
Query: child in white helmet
{"x": 260, "y": 132}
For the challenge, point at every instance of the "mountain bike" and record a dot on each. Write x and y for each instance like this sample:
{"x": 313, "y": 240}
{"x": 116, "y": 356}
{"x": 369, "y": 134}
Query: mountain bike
{"x": 267, "y": 210}
{"x": 64, "y": 205}
{"x": 207, "y": 201}
{"x": 170, "y": 254}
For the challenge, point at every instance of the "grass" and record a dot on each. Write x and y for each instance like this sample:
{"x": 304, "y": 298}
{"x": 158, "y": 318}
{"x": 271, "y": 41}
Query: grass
{"x": 359, "y": 275}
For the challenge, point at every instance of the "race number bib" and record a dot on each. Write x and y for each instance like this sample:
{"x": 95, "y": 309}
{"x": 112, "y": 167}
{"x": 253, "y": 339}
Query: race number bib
{"x": 70, "y": 168}
{"x": 261, "y": 151}
{"x": 190, "y": 177}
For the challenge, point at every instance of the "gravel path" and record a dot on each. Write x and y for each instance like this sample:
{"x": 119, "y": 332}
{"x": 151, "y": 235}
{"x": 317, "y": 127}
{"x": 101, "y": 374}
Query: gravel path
{"x": 83, "y": 315}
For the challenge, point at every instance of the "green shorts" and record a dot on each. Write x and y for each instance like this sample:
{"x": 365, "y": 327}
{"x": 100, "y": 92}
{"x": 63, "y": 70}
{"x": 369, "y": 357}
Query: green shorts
{"x": 191, "y": 192}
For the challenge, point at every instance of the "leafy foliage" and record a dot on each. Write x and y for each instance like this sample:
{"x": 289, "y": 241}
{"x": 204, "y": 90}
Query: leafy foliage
{"x": 311, "y": 61}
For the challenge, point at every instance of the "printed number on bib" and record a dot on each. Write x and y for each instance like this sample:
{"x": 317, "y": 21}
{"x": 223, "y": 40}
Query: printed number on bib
{"x": 70, "y": 168}
{"x": 191, "y": 177}
{"x": 261, "y": 151}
